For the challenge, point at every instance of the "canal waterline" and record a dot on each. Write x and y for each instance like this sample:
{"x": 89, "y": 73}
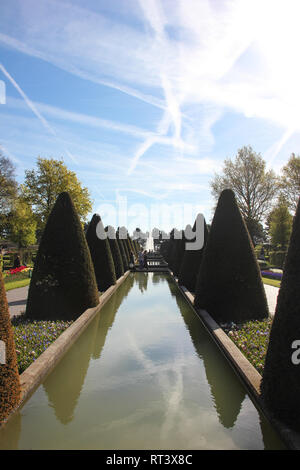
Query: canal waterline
{"x": 144, "y": 375}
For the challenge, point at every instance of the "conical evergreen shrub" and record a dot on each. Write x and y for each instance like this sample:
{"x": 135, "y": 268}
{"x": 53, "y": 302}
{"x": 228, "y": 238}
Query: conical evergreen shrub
{"x": 280, "y": 386}
{"x": 101, "y": 255}
{"x": 122, "y": 250}
{"x": 115, "y": 251}
{"x": 229, "y": 284}
{"x": 63, "y": 283}
{"x": 10, "y": 390}
{"x": 191, "y": 263}
{"x": 174, "y": 249}
{"x": 179, "y": 254}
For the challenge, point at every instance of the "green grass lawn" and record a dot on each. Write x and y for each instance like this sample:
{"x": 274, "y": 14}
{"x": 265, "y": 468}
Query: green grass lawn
{"x": 271, "y": 282}
{"x": 13, "y": 281}
{"x": 252, "y": 339}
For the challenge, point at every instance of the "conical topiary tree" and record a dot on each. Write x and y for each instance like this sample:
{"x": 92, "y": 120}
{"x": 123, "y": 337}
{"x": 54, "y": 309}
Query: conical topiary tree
{"x": 122, "y": 250}
{"x": 63, "y": 283}
{"x": 179, "y": 254}
{"x": 174, "y": 249}
{"x": 121, "y": 232}
{"x": 10, "y": 390}
{"x": 115, "y": 251}
{"x": 101, "y": 254}
{"x": 191, "y": 263}
{"x": 229, "y": 284}
{"x": 280, "y": 386}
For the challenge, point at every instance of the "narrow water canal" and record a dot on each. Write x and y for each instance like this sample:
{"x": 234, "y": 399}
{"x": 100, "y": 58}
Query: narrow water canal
{"x": 144, "y": 375}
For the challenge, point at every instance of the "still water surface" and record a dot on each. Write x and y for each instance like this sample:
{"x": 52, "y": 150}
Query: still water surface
{"x": 144, "y": 375}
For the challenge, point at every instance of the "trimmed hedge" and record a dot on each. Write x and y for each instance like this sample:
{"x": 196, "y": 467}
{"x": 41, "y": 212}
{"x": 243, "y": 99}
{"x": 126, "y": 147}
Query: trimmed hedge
{"x": 280, "y": 386}
{"x": 123, "y": 251}
{"x": 116, "y": 253}
{"x": 277, "y": 258}
{"x": 63, "y": 283}
{"x": 191, "y": 263}
{"x": 10, "y": 390}
{"x": 229, "y": 284}
{"x": 101, "y": 255}
{"x": 178, "y": 254}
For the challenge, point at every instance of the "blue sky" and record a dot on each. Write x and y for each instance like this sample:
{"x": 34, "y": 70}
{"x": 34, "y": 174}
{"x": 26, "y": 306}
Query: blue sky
{"x": 144, "y": 99}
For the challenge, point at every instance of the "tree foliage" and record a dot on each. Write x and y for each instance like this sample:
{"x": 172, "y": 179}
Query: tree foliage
{"x": 8, "y": 184}
{"x": 22, "y": 224}
{"x": 43, "y": 185}
{"x": 8, "y": 192}
{"x": 280, "y": 223}
{"x": 254, "y": 187}
{"x": 290, "y": 182}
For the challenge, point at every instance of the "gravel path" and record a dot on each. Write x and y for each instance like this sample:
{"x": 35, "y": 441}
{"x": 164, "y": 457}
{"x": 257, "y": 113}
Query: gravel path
{"x": 271, "y": 293}
{"x": 16, "y": 299}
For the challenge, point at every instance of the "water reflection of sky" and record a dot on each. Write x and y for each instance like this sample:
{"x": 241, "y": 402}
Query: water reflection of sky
{"x": 145, "y": 374}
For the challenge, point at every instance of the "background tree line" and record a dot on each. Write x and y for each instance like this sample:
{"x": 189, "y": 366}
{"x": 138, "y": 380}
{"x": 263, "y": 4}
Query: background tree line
{"x": 24, "y": 208}
{"x": 267, "y": 201}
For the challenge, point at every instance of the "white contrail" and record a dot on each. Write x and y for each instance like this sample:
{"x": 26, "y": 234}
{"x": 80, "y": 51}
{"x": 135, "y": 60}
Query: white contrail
{"x": 33, "y": 108}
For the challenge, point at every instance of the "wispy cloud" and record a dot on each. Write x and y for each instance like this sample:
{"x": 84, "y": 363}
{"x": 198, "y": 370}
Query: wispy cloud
{"x": 187, "y": 63}
{"x": 34, "y": 109}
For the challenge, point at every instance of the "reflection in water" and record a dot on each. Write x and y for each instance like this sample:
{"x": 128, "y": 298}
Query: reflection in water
{"x": 142, "y": 280}
{"x": 157, "y": 278}
{"x": 226, "y": 395}
{"x": 10, "y": 433}
{"x": 156, "y": 381}
{"x": 64, "y": 384}
{"x": 108, "y": 314}
{"x": 268, "y": 437}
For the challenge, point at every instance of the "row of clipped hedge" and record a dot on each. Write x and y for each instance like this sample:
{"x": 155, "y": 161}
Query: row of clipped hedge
{"x": 229, "y": 286}
{"x": 70, "y": 269}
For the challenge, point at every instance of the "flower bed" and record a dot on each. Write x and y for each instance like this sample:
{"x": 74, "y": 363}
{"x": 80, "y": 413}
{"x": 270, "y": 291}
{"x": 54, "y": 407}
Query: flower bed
{"x": 272, "y": 274}
{"x": 252, "y": 339}
{"x": 32, "y": 338}
{"x": 18, "y": 270}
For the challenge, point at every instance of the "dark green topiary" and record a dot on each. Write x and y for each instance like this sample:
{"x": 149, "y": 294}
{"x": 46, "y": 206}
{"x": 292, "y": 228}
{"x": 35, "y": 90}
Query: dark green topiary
{"x": 115, "y": 251}
{"x": 123, "y": 251}
{"x": 280, "y": 386}
{"x": 101, "y": 254}
{"x": 191, "y": 263}
{"x": 128, "y": 247}
{"x": 178, "y": 254}
{"x": 10, "y": 390}
{"x": 229, "y": 284}
{"x": 63, "y": 281}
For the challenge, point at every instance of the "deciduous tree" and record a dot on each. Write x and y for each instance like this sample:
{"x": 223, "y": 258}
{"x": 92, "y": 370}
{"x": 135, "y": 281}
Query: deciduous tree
{"x": 43, "y": 185}
{"x": 254, "y": 187}
{"x": 290, "y": 182}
